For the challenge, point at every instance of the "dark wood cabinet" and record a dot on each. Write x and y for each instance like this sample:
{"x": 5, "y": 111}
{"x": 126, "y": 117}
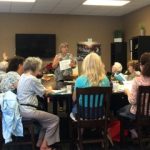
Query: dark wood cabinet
{"x": 139, "y": 45}
{"x": 119, "y": 53}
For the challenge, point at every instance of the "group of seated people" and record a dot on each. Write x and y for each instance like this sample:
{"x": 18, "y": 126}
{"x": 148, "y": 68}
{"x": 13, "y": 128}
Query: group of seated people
{"x": 93, "y": 74}
{"x": 133, "y": 70}
{"x": 21, "y": 84}
{"x": 19, "y": 77}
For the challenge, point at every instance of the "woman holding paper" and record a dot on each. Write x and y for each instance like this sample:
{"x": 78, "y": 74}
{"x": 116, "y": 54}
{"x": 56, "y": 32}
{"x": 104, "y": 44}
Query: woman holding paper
{"x": 63, "y": 64}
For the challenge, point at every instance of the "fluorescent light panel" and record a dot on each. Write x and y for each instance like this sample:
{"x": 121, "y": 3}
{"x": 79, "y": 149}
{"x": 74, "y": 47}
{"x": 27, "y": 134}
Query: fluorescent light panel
{"x": 29, "y": 1}
{"x": 106, "y": 2}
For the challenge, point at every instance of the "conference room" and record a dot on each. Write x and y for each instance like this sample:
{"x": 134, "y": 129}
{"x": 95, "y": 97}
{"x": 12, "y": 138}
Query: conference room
{"x": 74, "y": 74}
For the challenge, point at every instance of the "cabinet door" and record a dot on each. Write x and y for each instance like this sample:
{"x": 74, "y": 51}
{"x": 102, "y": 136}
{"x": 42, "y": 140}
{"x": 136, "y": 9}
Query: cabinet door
{"x": 135, "y": 48}
{"x": 140, "y": 45}
{"x": 119, "y": 54}
{"x": 144, "y": 45}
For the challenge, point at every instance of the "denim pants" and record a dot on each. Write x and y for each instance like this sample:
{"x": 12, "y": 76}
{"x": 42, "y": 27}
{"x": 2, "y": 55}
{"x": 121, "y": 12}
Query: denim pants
{"x": 125, "y": 112}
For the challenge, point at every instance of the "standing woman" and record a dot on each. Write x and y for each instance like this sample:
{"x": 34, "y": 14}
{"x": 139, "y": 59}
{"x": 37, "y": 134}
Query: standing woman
{"x": 28, "y": 88}
{"x": 63, "y": 55}
{"x": 61, "y": 75}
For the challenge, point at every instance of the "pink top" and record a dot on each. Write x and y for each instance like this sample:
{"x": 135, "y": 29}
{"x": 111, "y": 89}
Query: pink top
{"x": 138, "y": 81}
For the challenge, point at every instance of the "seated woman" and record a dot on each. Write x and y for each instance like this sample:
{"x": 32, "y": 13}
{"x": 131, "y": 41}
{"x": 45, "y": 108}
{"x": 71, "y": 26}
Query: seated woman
{"x": 3, "y": 67}
{"x": 10, "y": 107}
{"x": 116, "y": 68}
{"x": 116, "y": 72}
{"x": 16, "y": 65}
{"x": 129, "y": 111}
{"x": 133, "y": 69}
{"x": 28, "y": 88}
{"x": 93, "y": 74}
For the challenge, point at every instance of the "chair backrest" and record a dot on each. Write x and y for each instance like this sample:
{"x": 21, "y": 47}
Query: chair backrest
{"x": 143, "y": 102}
{"x": 93, "y": 102}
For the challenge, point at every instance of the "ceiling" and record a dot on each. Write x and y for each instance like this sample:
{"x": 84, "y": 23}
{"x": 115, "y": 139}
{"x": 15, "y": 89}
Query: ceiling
{"x": 70, "y": 7}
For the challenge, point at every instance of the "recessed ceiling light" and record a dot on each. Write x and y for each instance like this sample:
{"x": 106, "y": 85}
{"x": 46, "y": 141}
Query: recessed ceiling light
{"x": 106, "y": 2}
{"x": 30, "y": 1}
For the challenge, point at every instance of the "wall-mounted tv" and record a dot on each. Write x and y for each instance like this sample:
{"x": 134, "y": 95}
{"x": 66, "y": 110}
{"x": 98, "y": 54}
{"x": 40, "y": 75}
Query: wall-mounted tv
{"x": 38, "y": 45}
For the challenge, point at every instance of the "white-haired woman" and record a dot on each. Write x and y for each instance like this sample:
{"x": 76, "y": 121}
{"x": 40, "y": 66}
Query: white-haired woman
{"x": 93, "y": 74}
{"x": 28, "y": 87}
{"x": 116, "y": 72}
{"x": 3, "y": 67}
{"x": 116, "y": 68}
{"x": 11, "y": 119}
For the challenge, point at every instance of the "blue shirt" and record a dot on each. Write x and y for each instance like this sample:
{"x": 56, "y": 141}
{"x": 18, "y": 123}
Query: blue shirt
{"x": 83, "y": 82}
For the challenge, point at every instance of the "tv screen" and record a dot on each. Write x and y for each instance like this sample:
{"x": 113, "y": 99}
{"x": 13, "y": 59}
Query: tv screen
{"x": 38, "y": 45}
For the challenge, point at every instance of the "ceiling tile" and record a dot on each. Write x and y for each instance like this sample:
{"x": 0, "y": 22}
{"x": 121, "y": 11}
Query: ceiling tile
{"x": 5, "y": 6}
{"x": 72, "y": 7}
{"x": 44, "y": 6}
{"x": 21, "y": 7}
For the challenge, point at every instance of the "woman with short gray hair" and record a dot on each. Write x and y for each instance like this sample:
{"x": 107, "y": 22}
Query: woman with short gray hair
{"x": 33, "y": 64}
{"x": 28, "y": 87}
{"x": 3, "y": 67}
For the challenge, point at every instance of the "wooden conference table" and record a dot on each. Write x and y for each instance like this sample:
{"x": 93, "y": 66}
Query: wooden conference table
{"x": 118, "y": 100}
{"x": 64, "y": 96}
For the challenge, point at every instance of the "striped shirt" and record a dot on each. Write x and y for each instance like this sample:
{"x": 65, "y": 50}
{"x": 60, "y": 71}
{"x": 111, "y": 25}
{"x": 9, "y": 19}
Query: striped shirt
{"x": 28, "y": 88}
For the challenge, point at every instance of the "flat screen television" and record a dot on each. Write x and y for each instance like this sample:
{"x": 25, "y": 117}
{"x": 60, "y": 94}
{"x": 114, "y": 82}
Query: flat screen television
{"x": 38, "y": 45}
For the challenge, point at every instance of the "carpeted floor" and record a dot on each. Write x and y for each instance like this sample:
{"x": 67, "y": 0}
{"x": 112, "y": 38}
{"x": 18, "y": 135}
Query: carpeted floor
{"x": 86, "y": 147}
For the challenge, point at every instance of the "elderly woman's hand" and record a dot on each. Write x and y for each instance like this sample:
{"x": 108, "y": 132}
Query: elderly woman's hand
{"x": 49, "y": 90}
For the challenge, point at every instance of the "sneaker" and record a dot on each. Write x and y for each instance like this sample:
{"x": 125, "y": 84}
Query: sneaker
{"x": 72, "y": 116}
{"x": 134, "y": 134}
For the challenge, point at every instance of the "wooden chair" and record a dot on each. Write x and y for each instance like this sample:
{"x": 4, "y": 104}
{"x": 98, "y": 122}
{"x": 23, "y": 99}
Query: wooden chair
{"x": 27, "y": 124}
{"x": 92, "y": 112}
{"x": 142, "y": 118}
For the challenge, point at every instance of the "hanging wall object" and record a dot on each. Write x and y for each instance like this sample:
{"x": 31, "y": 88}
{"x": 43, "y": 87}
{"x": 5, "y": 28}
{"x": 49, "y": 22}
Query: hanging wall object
{"x": 84, "y": 48}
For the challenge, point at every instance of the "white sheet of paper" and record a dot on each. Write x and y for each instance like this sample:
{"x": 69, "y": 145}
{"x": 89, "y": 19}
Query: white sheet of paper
{"x": 128, "y": 85}
{"x": 64, "y": 64}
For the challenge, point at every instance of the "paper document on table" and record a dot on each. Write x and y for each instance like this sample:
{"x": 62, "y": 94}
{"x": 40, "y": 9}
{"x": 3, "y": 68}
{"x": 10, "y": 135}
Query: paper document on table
{"x": 128, "y": 85}
{"x": 65, "y": 64}
{"x": 59, "y": 91}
